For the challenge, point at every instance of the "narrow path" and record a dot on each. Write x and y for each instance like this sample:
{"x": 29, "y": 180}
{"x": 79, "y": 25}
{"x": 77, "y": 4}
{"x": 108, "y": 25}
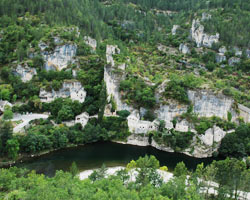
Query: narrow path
{"x": 26, "y": 119}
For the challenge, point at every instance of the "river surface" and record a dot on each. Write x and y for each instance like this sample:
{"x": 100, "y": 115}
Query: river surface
{"x": 94, "y": 155}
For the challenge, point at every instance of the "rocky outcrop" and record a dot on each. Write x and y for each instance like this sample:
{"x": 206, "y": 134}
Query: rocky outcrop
{"x": 212, "y": 135}
{"x": 238, "y": 52}
{"x": 220, "y": 58}
{"x": 174, "y": 29}
{"x": 232, "y": 61}
{"x": 223, "y": 50}
{"x": 244, "y": 113}
{"x": 205, "y": 16}
{"x": 113, "y": 80}
{"x": 248, "y": 53}
{"x": 25, "y": 72}
{"x": 110, "y": 51}
{"x": 70, "y": 89}
{"x": 169, "y": 112}
{"x": 60, "y": 57}
{"x": 91, "y": 42}
{"x": 200, "y": 37}
{"x": 183, "y": 48}
{"x": 207, "y": 104}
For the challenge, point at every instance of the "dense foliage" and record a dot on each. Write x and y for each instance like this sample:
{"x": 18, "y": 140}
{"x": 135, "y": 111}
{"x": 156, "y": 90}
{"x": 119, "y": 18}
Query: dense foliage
{"x": 236, "y": 144}
{"x": 18, "y": 183}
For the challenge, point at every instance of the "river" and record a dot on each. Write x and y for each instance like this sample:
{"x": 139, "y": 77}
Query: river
{"x": 92, "y": 156}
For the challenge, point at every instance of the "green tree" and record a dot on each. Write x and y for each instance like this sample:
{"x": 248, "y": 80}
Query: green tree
{"x": 180, "y": 170}
{"x": 12, "y": 147}
{"x": 74, "y": 169}
{"x": 8, "y": 114}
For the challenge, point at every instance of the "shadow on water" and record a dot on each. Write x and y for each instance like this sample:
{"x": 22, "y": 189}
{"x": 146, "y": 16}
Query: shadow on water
{"x": 111, "y": 154}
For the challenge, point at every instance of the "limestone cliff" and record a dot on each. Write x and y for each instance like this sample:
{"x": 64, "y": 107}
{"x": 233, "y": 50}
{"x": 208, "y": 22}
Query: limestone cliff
{"x": 25, "y": 72}
{"x": 60, "y": 57}
{"x": 205, "y": 104}
{"x": 200, "y": 37}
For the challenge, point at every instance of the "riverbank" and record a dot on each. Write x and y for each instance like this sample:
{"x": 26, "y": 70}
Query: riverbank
{"x": 196, "y": 151}
{"x": 26, "y": 157}
{"x": 92, "y": 156}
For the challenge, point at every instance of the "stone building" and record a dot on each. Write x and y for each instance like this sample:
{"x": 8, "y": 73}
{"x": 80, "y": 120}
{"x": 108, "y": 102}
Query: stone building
{"x": 70, "y": 89}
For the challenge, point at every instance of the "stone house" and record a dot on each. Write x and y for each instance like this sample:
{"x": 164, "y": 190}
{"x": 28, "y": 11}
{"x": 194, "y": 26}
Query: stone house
{"x": 70, "y": 89}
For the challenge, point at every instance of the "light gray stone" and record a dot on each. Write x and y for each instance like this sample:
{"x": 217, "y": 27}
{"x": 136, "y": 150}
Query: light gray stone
{"x": 60, "y": 58}
{"x": 200, "y": 37}
{"x": 25, "y": 72}
{"x": 232, "y": 61}
{"x": 220, "y": 58}
{"x": 174, "y": 29}
{"x": 70, "y": 89}
{"x": 183, "y": 48}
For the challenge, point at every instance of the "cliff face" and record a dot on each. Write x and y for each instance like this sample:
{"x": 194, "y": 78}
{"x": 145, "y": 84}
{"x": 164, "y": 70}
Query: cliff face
{"x": 200, "y": 37}
{"x": 25, "y": 72}
{"x": 60, "y": 57}
{"x": 205, "y": 104}
{"x": 112, "y": 79}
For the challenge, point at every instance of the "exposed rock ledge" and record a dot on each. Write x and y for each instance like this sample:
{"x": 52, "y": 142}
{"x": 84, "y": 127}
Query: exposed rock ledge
{"x": 195, "y": 150}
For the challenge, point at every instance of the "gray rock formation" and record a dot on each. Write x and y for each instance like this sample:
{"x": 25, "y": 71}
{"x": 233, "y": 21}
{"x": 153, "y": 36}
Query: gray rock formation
{"x": 244, "y": 113}
{"x": 232, "y": 61}
{"x": 70, "y": 89}
{"x": 60, "y": 58}
{"x": 223, "y": 50}
{"x": 200, "y": 37}
{"x": 248, "y": 53}
{"x": 220, "y": 58}
{"x": 25, "y": 72}
{"x": 205, "y": 16}
{"x": 212, "y": 135}
{"x": 183, "y": 48}
{"x": 174, "y": 29}
{"x": 207, "y": 104}
{"x": 91, "y": 42}
{"x": 238, "y": 52}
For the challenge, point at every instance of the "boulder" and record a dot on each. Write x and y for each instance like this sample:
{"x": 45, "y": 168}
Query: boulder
{"x": 60, "y": 57}
{"x": 219, "y": 134}
{"x": 220, "y": 58}
{"x": 25, "y": 72}
{"x": 208, "y": 137}
{"x": 223, "y": 50}
{"x": 205, "y": 16}
{"x": 183, "y": 48}
{"x": 248, "y": 53}
{"x": 200, "y": 37}
{"x": 232, "y": 61}
{"x": 174, "y": 29}
{"x": 91, "y": 42}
